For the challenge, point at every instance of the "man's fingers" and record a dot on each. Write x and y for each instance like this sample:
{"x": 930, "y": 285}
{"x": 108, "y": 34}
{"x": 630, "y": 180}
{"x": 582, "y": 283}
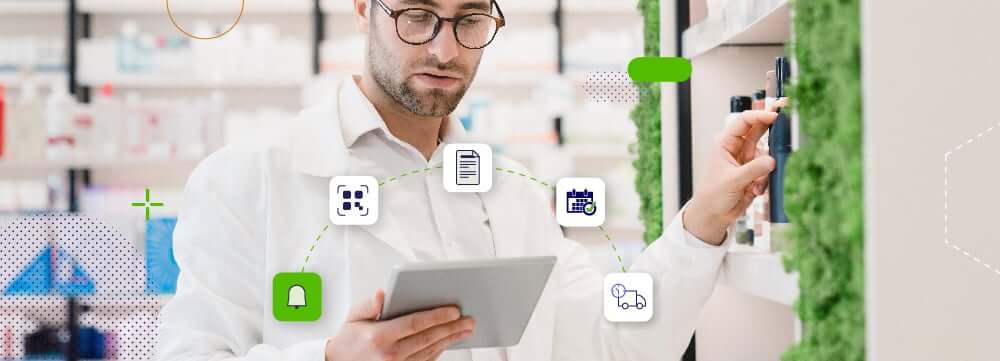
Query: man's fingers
{"x": 405, "y": 326}
{"x": 734, "y": 136}
{"x": 424, "y": 344}
{"x": 368, "y": 309}
{"x": 749, "y": 172}
{"x": 750, "y": 142}
{"x": 780, "y": 103}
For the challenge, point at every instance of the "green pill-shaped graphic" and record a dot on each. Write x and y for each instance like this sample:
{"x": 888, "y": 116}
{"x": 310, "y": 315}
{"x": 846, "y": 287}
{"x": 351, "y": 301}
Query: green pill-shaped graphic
{"x": 659, "y": 69}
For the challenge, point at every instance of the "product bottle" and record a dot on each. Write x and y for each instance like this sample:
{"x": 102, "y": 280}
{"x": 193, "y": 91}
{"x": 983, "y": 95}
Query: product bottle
{"x": 108, "y": 124}
{"x": 741, "y": 231}
{"x": 737, "y": 105}
{"x": 133, "y": 126}
{"x": 758, "y": 100}
{"x": 58, "y": 118}
{"x": 26, "y": 125}
{"x": 214, "y": 121}
{"x": 780, "y": 146}
{"x": 128, "y": 47}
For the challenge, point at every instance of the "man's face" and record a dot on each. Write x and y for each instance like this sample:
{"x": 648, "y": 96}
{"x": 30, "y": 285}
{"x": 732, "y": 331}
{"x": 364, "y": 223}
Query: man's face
{"x": 428, "y": 79}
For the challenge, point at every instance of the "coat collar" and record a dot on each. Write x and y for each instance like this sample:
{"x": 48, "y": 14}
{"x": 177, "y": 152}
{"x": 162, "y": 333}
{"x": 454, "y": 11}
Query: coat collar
{"x": 322, "y": 136}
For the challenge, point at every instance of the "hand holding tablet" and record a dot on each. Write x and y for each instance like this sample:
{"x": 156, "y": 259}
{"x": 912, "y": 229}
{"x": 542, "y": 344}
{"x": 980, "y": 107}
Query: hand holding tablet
{"x": 417, "y": 336}
{"x": 499, "y": 294}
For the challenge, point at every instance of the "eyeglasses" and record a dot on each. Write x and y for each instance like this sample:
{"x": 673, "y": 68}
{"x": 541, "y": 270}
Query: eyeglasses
{"x": 416, "y": 26}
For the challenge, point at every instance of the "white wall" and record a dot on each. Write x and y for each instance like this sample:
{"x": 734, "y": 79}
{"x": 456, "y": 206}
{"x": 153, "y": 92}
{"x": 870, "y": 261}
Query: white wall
{"x": 930, "y": 84}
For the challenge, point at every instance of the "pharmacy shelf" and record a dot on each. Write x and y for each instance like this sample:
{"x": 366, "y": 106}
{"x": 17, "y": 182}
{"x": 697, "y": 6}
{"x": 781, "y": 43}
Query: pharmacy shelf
{"x": 43, "y": 79}
{"x": 158, "y": 81}
{"x": 528, "y": 7}
{"x": 26, "y": 166}
{"x": 761, "y": 274}
{"x": 29, "y": 7}
{"x": 742, "y": 22}
{"x": 186, "y": 7}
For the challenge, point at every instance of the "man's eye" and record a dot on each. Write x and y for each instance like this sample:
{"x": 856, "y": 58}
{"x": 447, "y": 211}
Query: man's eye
{"x": 470, "y": 21}
{"x": 418, "y": 17}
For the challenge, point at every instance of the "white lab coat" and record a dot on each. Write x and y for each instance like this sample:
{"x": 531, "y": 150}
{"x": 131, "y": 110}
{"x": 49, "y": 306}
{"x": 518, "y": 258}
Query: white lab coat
{"x": 253, "y": 211}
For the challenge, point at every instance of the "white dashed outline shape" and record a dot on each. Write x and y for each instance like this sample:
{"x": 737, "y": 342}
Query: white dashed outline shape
{"x": 946, "y": 241}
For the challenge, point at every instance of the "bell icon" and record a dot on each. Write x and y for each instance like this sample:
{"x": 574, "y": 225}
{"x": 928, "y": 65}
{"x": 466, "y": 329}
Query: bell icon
{"x": 296, "y": 296}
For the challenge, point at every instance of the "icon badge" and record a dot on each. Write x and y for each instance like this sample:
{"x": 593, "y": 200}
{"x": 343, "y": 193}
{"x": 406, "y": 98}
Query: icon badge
{"x": 628, "y": 297}
{"x": 353, "y": 200}
{"x": 297, "y": 297}
{"x": 467, "y": 168}
{"x": 580, "y": 202}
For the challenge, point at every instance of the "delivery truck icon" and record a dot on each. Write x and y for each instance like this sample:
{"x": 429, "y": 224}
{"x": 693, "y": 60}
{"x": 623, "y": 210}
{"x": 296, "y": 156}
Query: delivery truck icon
{"x": 628, "y": 298}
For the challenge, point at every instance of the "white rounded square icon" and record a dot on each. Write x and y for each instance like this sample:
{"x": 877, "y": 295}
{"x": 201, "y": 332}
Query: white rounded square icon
{"x": 628, "y": 297}
{"x": 580, "y": 202}
{"x": 353, "y": 200}
{"x": 467, "y": 168}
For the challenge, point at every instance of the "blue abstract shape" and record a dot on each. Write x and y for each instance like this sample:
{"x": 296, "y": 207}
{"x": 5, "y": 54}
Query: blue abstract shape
{"x": 35, "y": 279}
{"x": 161, "y": 267}
{"x": 79, "y": 283}
{"x": 38, "y": 277}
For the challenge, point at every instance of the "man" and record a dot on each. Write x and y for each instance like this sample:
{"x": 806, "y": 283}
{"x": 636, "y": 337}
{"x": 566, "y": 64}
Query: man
{"x": 254, "y": 212}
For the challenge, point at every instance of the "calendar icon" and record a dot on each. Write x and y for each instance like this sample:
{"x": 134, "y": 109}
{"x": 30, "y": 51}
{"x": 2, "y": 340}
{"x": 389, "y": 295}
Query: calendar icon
{"x": 580, "y": 202}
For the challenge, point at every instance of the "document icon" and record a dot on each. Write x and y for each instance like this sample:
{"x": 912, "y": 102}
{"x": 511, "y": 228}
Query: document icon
{"x": 467, "y": 167}
{"x": 468, "y": 164}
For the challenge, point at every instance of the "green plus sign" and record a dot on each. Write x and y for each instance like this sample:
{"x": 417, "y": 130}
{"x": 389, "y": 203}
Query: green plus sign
{"x": 147, "y": 204}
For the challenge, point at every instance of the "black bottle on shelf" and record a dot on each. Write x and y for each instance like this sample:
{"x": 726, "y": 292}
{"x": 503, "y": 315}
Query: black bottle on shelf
{"x": 780, "y": 145}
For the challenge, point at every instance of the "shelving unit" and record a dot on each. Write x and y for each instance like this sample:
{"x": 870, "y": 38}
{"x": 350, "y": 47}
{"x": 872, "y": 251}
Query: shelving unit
{"x": 730, "y": 52}
{"x": 760, "y": 274}
{"x": 747, "y": 22}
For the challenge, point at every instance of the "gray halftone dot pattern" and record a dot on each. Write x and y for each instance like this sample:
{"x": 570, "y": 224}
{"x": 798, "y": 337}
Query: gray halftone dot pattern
{"x": 611, "y": 87}
{"x": 118, "y": 305}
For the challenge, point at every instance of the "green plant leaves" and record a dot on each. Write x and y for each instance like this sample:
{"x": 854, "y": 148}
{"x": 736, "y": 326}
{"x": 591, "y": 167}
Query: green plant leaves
{"x": 646, "y": 115}
{"x": 824, "y": 186}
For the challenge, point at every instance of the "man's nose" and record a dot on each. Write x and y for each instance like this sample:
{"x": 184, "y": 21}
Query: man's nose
{"x": 444, "y": 46}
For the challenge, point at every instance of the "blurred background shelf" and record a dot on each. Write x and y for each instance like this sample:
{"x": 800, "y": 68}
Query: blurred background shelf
{"x": 42, "y": 79}
{"x": 122, "y": 163}
{"x": 26, "y": 7}
{"x": 761, "y": 274}
{"x": 742, "y": 23}
{"x": 156, "y": 81}
{"x": 302, "y": 7}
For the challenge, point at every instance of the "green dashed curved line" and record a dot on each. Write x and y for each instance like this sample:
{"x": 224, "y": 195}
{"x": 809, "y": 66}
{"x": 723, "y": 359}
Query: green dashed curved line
{"x": 427, "y": 170}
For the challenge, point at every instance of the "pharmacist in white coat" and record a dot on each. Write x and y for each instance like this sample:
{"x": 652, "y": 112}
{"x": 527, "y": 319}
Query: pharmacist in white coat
{"x": 252, "y": 212}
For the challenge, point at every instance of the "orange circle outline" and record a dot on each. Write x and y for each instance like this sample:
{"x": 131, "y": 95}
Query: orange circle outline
{"x": 231, "y": 27}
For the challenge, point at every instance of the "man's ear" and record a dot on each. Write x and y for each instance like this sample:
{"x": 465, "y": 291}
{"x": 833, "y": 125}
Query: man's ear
{"x": 362, "y": 12}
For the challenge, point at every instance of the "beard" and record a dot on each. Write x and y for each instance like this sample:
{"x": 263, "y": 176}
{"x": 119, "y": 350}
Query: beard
{"x": 388, "y": 73}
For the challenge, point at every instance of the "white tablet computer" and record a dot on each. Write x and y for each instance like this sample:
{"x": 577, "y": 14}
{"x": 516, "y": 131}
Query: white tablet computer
{"x": 500, "y": 294}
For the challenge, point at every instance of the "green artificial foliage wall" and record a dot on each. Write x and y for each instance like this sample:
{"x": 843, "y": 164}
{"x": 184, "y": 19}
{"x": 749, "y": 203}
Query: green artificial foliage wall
{"x": 824, "y": 185}
{"x": 646, "y": 116}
